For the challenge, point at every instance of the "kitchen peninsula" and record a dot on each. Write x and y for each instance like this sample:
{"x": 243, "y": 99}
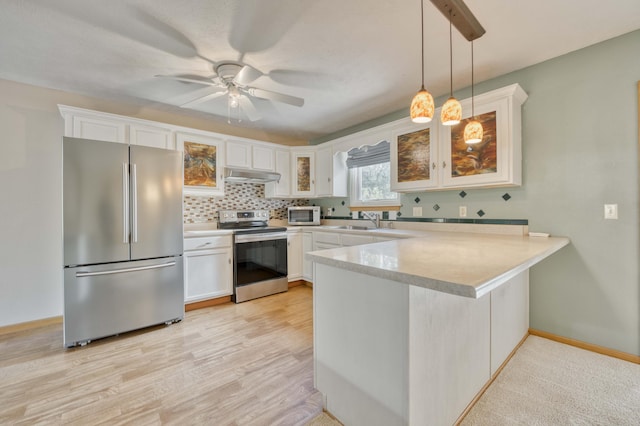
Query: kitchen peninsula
{"x": 410, "y": 331}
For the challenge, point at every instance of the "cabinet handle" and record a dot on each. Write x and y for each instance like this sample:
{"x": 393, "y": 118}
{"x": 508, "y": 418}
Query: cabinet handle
{"x": 229, "y": 261}
{"x": 433, "y": 165}
{"x": 328, "y": 179}
{"x": 444, "y": 165}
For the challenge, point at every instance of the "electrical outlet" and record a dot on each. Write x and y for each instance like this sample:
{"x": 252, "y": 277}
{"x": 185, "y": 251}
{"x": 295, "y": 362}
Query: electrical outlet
{"x": 610, "y": 211}
{"x": 417, "y": 211}
{"x": 462, "y": 211}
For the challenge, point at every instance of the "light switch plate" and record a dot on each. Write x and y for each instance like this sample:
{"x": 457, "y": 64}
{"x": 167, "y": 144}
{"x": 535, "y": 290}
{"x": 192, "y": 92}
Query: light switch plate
{"x": 610, "y": 211}
{"x": 417, "y": 211}
{"x": 462, "y": 211}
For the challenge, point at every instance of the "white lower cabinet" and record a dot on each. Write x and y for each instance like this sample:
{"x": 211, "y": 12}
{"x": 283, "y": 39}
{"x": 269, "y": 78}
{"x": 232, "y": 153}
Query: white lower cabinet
{"x": 208, "y": 271}
{"x": 294, "y": 255}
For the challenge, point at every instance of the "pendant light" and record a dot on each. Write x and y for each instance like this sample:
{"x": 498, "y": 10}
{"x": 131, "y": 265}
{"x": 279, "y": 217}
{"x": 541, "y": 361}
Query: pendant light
{"x": 473, "y": 131}
{"x": 422, "y": 106}
{"x": 451, "y": 112}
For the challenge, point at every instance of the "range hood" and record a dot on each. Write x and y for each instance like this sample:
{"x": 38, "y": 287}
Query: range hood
{"x": 233, "y": 175}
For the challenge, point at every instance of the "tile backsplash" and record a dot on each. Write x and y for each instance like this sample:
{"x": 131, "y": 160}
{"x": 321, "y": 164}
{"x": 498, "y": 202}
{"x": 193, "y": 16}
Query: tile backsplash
{"x": 238, "y": 196}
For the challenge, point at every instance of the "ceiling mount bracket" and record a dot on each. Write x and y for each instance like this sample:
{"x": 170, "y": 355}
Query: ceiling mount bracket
{"x": 461, "y": 17}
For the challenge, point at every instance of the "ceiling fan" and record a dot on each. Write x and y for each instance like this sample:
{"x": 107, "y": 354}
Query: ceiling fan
{"x": 233, "y": 79}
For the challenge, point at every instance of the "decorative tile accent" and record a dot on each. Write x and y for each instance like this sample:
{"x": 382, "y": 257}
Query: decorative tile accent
{"x": 480, "y": 213}
{"x": 417, "y": 200}
{"x": 436, "y": 207}
{"x": 462, "y": 194}
{"x": 242, "y": 196}
{"x": 343, "y": 202}
{"x": 506, "y": 196}
{"x": 399, "y": 214}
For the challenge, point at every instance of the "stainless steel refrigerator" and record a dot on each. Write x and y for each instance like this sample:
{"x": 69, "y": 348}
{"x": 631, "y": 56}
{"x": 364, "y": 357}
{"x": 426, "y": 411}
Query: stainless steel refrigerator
{"x": 122, "y": 238}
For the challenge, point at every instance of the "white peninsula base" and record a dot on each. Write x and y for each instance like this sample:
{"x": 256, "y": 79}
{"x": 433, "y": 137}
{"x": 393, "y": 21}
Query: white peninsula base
{"x": 389, "y": 353}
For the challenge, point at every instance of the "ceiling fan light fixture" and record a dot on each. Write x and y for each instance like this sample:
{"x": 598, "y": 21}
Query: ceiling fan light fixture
{"x": 234, "y": 97}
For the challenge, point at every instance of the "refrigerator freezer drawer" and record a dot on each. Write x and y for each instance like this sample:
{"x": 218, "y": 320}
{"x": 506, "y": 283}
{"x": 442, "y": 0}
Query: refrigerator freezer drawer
{"x": 103, "y": 300}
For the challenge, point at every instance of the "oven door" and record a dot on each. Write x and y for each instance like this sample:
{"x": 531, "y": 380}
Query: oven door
{"x": 260, "y": 258}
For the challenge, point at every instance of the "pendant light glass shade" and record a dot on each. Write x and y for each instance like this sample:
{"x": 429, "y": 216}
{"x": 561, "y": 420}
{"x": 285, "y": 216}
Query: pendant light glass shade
{"x": 473, "y": 132}
{"x": 451, "y": 112}
{"x": 422, "y": 107}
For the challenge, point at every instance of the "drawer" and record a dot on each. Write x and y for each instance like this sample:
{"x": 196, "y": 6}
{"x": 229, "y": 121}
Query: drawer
{"x": 201, "y": 243}
{"x": 326, "y": 237}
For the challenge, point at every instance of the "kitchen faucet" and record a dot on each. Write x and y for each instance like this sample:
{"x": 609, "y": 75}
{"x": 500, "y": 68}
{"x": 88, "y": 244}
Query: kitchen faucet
{"x": 373, "y": 217}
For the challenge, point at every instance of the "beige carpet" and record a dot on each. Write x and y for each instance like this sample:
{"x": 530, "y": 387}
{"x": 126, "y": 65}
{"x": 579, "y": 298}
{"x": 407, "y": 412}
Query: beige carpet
{"x": 549, "y": 383}
{"x": 323, "y": 420}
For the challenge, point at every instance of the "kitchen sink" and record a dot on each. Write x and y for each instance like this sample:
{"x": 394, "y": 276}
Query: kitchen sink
{"x": 354, "y": 227}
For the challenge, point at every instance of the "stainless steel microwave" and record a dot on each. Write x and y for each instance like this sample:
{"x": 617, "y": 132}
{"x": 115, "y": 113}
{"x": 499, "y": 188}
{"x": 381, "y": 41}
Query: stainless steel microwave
{"x": 305, "y": 215}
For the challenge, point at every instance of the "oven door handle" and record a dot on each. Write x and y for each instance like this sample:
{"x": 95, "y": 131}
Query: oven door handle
{"x": 264, "y": 236}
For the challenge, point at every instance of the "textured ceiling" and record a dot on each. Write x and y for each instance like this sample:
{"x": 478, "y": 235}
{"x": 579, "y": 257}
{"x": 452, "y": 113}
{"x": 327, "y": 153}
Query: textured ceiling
{"x": 351, "y": 60}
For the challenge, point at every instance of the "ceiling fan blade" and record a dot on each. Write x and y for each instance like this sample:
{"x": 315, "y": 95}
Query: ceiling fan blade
{"x": 258, "y": 25}
{"x": 247, "y": 106}
{"x": 306, "y": 79}
{"x": 247, "y": 75}
{"x": 191, "y": 78}
{"x": 202, "y": 99}
{"x": 275, "y": 96}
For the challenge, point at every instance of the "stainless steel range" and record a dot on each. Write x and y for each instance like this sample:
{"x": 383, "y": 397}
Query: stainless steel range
{"x": 260, "y": 254}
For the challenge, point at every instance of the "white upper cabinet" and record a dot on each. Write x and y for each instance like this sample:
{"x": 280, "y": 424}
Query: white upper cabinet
{"x": 152, "y": 136}
{"x": 282, "y": 188}
{"x": 303, "y": 173}
{"x": 263, "y": 157}
{"x": 85, "y": 124}
{"x": 414, "y": 156}
{"x": 435, "y": 157}
{"x": 238, "y": 154}
{"x": 331, "y": 173}
{"x": 203, "y": 164}
{"x": 250, "y": 154}
{"x": 497, "y": 159}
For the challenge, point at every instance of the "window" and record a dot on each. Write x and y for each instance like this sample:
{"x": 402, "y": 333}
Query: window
{"x": 370, "y": 176}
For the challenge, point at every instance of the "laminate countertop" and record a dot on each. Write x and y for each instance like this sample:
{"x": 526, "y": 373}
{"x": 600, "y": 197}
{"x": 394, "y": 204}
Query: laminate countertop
{"x": 463, "y": 264}
{"x": 192, "y": 230}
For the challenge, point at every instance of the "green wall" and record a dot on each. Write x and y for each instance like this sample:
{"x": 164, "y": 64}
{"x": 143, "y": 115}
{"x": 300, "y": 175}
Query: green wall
{"x": 580, "y": 151}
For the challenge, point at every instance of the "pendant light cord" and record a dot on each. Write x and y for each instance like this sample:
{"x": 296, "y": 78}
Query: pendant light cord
{"x": 422, "y": 38}
{"x": 450, "y": 58}
{"x": 473, "y": 114}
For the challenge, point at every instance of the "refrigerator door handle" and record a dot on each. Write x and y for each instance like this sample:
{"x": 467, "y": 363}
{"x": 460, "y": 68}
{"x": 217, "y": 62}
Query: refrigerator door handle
{"x": 125, "y": 203}
{"x": 81, "y": 274}
{"x": 134, "y": 189}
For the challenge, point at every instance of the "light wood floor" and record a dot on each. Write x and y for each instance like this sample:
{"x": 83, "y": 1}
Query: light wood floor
{"x": 245, "y": 364}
